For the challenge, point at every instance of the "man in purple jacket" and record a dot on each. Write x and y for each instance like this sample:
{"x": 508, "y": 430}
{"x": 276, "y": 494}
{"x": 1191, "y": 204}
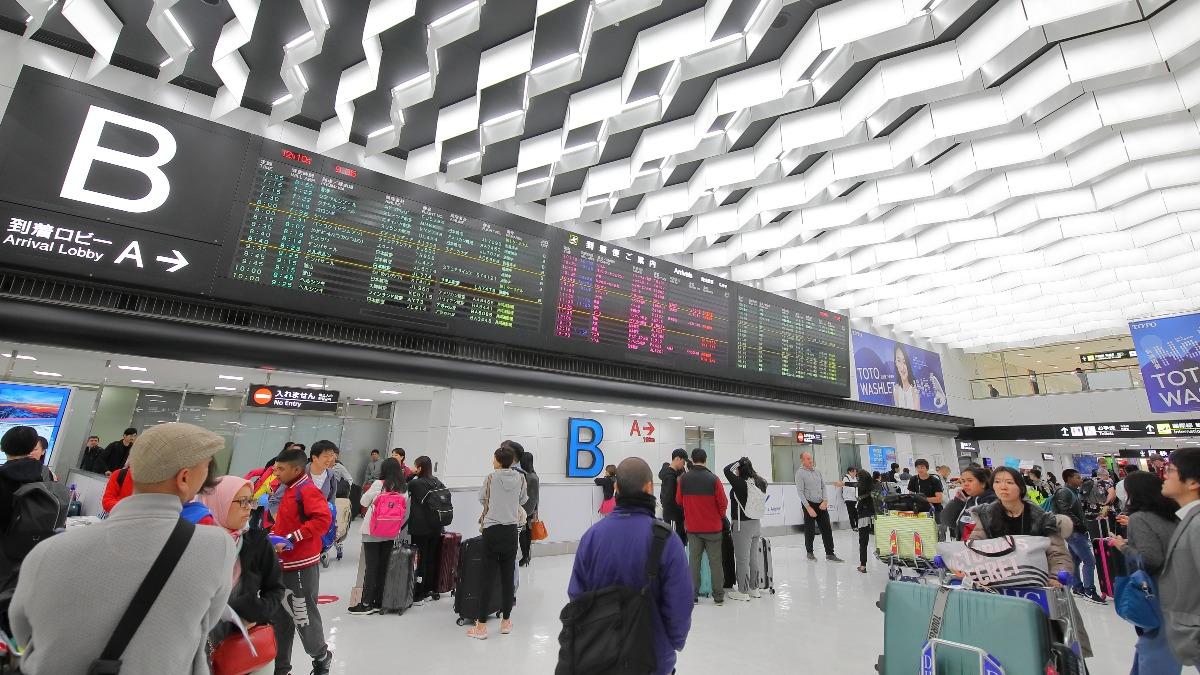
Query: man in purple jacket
{"x": 613, "y": 552}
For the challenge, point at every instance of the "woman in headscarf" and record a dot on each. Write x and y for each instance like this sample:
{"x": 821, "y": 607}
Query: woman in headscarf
{"x": 258, "y": 588}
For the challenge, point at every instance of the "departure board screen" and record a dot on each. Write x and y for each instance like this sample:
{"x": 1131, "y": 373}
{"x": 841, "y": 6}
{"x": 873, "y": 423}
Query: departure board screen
{"x": 623, "y": 304}
{"x": 312, "y": 228}
{"x": 782, "y": 341}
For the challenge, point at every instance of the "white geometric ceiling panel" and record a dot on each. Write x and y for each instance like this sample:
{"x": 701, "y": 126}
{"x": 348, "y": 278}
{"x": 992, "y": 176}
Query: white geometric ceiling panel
{"x": 974, "y": 173}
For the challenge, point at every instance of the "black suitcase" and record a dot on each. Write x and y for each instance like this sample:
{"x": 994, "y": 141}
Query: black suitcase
{"x": 728, "y": 568}
{"x": 398, "y": 584}
{"x": 467, "y": 599}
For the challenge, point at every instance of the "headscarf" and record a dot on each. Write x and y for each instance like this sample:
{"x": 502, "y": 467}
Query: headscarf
{"x": 218, "y": 501}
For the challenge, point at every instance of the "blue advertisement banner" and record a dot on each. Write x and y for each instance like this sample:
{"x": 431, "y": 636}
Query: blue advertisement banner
{"x": 1168, "y": 351}
{"x": 893, "y": 373}
{"x": 882, "y": 457}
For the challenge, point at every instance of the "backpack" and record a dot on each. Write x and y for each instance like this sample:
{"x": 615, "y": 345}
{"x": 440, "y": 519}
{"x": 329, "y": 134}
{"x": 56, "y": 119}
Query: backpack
{"x": 387, "y": 515}
{"x": 330, "y": 536}
{"x": 1096, "y": 493}
{"x": 342, "y": 491}
{"x": 610, "y": 630}
{"x": 756, "y": 501}
{"x": 437, "y": 501}
{"x": 38, "y": 511}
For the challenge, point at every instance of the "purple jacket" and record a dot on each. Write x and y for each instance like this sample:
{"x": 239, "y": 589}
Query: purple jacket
{"x": 613, "y": 552}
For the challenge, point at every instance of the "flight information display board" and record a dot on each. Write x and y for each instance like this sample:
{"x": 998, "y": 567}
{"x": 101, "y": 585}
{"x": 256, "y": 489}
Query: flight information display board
{"x": 252, "y": 221}
{"x": 789, "y": 343}
{"x": 620, "y": 303}
{"x": 314, "y": 228}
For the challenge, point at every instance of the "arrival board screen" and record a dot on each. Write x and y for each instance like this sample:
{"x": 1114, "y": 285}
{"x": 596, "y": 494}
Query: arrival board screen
{"x": 620, "y": 303}
{"x": 250, "y": 220}
{"x": 312, "y": 227}
{"x": 787, "y": 342}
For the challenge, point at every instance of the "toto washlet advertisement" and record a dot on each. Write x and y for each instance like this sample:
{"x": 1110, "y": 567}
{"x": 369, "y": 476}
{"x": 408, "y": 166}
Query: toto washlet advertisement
{"x": 1168, "y": 351}
{"x": 893, "y": 373}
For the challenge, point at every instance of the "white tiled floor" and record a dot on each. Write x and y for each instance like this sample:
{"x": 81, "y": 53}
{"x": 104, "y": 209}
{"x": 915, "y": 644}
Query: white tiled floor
{"x": 822, "y": 620}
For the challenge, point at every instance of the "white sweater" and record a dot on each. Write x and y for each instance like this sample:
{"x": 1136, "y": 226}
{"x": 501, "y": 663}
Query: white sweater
{"x": 368, "y": 500}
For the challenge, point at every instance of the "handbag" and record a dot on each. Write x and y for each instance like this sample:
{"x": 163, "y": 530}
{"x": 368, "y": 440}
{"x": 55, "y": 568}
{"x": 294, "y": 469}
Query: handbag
{"x": 537, "y": 530}
{"x": 239, "y": 655}
{"x": 1136, "y": 597}
{"x": 1003, "y": 562}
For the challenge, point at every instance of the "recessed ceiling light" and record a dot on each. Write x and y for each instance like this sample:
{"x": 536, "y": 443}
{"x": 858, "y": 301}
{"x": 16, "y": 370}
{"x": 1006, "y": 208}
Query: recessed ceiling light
{"x": 231, "y": 377}
{"x": 22, "y": 357}
{"x": 674, "y": 418}
{"x": 44, "y": 373}
{"x": 1022, "y": 440}
{"x": 225, "y": 388}
{"x": 773, "y": 426}
{"x": 1077, "y": 348}
{"x": 637, "y": 414}
{"x": 554, "y": 407}
{"x": 508, "y": 403}
{"x": 393, "y": 391}
{"x": 598, "y": 411}
{"x": 365, "y": 400}
{"x": 142, "y": 381}
{"x": 315, "y": 386}
{"x": 137, "y": 368}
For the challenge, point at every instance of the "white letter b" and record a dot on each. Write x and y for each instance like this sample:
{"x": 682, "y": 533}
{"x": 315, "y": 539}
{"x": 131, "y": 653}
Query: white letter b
{"x": 88, "y": 150}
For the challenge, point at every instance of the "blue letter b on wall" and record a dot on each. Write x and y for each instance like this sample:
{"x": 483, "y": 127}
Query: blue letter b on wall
{"x": 584, "y": 437}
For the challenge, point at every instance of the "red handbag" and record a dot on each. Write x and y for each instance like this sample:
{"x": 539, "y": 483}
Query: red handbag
{"x": 233, "y": 655}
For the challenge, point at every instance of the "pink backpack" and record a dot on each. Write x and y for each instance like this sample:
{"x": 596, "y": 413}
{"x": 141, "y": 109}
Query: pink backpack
{"x": 387, "y": 514}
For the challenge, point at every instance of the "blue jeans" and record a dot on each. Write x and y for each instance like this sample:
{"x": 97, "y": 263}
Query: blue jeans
{"x": 1081, "y": 554}
{"x": 1152, "y": 655}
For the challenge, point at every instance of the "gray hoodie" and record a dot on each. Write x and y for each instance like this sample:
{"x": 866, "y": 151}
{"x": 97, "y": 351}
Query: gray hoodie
{"x": 508, "y": 493}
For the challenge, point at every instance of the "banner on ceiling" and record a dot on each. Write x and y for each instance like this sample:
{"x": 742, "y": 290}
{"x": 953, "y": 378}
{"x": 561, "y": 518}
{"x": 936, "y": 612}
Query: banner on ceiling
{"x": 892, "y": 373}
{"x": 1168, "y": 352}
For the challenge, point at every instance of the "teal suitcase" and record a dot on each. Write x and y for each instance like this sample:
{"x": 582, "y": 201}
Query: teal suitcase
{"x": 705, "y": 578}
{"x": 1013, "y": 630}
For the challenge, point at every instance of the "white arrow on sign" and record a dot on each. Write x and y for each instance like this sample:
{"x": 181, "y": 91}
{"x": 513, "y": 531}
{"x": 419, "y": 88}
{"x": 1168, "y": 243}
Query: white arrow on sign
{"x": 177, "y": 263}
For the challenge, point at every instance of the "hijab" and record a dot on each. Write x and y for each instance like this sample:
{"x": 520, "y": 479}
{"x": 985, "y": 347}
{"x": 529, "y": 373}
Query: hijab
{"x": 218, "y": 501}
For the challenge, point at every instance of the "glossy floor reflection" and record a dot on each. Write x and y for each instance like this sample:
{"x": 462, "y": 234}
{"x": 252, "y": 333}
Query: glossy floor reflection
{"x": 822, "y": 620}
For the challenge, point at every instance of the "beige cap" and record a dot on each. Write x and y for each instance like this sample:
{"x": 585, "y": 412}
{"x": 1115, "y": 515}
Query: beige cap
{"x": 162, "y": 451}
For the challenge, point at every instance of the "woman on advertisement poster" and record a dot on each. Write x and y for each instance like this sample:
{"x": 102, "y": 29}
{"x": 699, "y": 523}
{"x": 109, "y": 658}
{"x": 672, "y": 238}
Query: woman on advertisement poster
{"x": 904, "y": 391}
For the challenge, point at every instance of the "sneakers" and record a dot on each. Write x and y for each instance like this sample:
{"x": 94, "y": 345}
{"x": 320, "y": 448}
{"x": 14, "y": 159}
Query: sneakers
{"x": 325, "y": 559}
{"x": 812, "y": 556}
{"x": 738, "y": 595}
{"x": 1095, "y": 597}
{"x": 362, "y": 609}
{"x": 719, "y": 602}
{"x": 339, "y": 551}
{"x": 321, "y": 665}
{"x": 423, "y": 601}
{"x": 478, "y": 631}
{"x": 756, "y": 593}
{"x": 506, "y": 626}
{"x": 833, "y": 558}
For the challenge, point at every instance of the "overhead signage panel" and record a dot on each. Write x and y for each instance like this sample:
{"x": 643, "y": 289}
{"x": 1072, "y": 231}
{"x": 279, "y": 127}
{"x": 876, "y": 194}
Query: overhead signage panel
{"x": 1108, "y": 356}
{"x": 63, "y": 244}
{"x": 292, "y": 398}
{"x": 98, "y": 185}
{"x": 1089, "y": 430}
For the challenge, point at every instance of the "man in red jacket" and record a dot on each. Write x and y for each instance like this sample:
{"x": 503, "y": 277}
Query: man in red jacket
{"x": 302, "y": 518}
{"x": 704, "y": 503}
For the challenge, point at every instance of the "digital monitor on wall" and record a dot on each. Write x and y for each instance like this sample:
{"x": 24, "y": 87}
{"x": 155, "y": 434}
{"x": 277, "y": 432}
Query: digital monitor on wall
{"x": 892, "y": 373}
{"x": 39, "y": 407}
{"x": 1169, "y": 357}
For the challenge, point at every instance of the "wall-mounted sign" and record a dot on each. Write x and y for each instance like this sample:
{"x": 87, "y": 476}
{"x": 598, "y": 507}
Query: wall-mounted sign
{"x": 1108, "y": 356}
{"x": 814, "y": 437}
{"x": 643, "y": 430}
{"x": 583, "y": 438}
{"x": 966, "y": 447}
{"x": 1047, "y": 457}
{"x": 882, "y": 457}
{"x": 893, "y": 373}
{"x": 1169, "y": 357}
{"x": 1143, "y": 453}
{"x": 1089, "y": 430}
{"x": 289, "y": 398}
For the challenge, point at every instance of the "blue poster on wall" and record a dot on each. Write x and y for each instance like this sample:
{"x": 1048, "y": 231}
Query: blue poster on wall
{"x": 28, "y": 405}
{"x": 1168, "y": 351}
{"x": 881, "y": 456}
{"x": 893, "y": 373}
{"x": 1085, "y": 464}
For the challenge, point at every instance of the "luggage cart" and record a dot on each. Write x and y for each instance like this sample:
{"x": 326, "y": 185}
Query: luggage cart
{"x": 910, "y": 520}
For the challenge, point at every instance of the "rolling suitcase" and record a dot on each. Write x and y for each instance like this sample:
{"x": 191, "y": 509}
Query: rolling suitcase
{"x": 469, "y": 603}
{"x": 761, "y": 550}
{"x": 1013, "y": 631}
{"x": 727, "y": 560}
{"x": 398, "y": 585}
{"x": 706, "y": 588}
{"x": 447, "y": 569}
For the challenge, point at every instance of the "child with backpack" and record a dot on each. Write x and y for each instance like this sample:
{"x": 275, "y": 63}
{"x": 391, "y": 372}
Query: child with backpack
{"x": 746, "y": 508}
{"x": 387, "y": 513}
{"x": 302, "y": 518}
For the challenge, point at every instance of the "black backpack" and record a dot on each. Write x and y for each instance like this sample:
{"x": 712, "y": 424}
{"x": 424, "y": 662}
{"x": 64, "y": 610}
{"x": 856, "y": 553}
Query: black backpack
{"x": 342, "y": 491}
{"x": 610, "y": 630}
{"x": 38, "y": 511}
{"x": 437, "y": 501}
